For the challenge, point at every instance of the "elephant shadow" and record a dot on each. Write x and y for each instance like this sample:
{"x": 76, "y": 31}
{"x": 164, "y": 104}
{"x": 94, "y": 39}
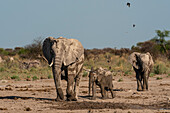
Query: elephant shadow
{"x": 25, "y": 98}
{"x": 49, "y": 99}
{"x": 90, "y": 96}
{"x": 34, "y": 98}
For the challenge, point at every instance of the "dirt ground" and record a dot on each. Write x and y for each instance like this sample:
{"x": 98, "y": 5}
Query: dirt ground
{"x": 39, "y": 97}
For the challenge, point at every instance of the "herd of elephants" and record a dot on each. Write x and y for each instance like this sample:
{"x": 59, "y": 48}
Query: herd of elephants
{"x": 67, "y": 56}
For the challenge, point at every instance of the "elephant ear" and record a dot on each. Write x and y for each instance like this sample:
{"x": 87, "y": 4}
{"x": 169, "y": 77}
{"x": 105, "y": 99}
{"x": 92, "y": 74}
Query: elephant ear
{"x": 47, "y": 49}
{"x": 150, "y": 63}
{"x": 134, "y": 59}
{"x": 73, "y": 51}
{"x": 147, "y": 61}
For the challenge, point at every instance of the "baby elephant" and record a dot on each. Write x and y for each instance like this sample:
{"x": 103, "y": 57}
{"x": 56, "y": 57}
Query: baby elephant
{"x": 103, "y": 79}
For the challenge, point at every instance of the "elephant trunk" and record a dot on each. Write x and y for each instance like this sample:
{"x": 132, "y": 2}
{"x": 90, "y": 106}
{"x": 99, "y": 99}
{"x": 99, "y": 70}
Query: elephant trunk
{"x": 57, "y": 77}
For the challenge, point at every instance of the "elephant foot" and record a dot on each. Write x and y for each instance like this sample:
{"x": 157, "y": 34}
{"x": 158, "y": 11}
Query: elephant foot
{"x": 93, "y": 98}
{"x": 58, "y": 99}
{"x": 139, "y": 89}
{"x": 145, "y": 90}
{"x": 60, "y": 95}
{"x": 113, "y": 96}
{"x": 104, "y": 98}
{"x": 71, "y": 97}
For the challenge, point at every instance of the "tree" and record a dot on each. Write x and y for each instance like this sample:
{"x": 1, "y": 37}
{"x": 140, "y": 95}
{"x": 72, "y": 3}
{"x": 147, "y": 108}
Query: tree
{"x": 34, "y": 49}
{"x": 161, "y": 38}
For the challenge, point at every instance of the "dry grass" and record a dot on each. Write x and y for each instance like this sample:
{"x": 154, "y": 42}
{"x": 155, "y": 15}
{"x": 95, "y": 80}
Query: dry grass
{"x": 118, "y": 65}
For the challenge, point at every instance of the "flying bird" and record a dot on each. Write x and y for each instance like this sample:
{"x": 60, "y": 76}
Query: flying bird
{"x": 134, "y": 25}
{"x": 128, "y": 4}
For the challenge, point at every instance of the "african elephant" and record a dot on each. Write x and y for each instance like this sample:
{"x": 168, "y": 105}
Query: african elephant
{"x": 103, "y": 79}
{"x": 66, "y": 55}
{"x": 142, "y": 64}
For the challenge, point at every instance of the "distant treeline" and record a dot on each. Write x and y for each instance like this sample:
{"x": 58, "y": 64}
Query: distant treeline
{"x": 158, "y": 47}
{"x": 152, "y": 46}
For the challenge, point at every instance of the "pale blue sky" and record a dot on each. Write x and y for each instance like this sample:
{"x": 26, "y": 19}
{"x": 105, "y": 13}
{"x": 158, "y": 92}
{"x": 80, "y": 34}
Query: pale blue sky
{"x": 95, "y": 23}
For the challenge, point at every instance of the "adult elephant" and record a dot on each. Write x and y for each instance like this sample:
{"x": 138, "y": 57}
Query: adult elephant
{"x": 142, "y": 64}
{"x": 65, "y": 55}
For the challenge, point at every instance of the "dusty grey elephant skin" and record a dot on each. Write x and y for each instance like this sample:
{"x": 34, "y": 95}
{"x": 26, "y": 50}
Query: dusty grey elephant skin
{"x": 103, "y": 79}
{"x": 142, "y": 64}
{"x": 65, "y": 55}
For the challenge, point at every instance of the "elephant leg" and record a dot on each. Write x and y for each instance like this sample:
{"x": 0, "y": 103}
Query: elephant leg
{"x": 90, "y": 83}
{"x": 145, "y": 81}
{"x": 106, "y": 92}
{"x": 139, "y": 81}
{"x": 77, "y": 83}
{"x": 113, "y": 96}
{"x": 93, "y": 91}
{"x": 111, "y": 90}
{"x": 70, "y": 83}
{"x": 103, "y": 92}
{"x": 57, "y": 81}
{"x": 79, "y": 74}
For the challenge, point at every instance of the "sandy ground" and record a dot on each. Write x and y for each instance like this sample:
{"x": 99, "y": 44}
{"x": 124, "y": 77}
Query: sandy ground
{"x": 39, "y": 97}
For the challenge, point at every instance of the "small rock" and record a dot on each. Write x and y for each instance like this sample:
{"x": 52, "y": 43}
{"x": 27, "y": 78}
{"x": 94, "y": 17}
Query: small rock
{"x": 3, "y": 109}
{"x": 3, "y": 81}
{"x": 27, "y": 109}
{"x": 8, "y": 88}
{"x": 28, "y": 79}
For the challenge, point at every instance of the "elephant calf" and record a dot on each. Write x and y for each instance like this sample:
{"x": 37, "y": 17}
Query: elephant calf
{"x": 142, "y": 64}
{"x": 103, "y": 79}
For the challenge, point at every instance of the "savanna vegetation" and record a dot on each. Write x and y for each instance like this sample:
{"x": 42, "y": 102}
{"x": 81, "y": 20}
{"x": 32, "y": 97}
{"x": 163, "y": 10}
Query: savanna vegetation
{"x": 14, "y": 61}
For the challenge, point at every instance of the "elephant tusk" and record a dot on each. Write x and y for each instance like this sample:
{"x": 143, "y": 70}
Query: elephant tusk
{"x": 44, "y": 58}
{"x": 51, "y": 64}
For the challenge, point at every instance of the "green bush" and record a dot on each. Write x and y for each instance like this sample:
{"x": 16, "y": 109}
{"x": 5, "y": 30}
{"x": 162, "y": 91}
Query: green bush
{"x": 85, "y": 74}
{"x": 168, "y": 75}
{"x": 128, "y": 72}
{"x": 2, "y": 69}
{"x": 28, "y": 76}
{"x": 152, "y": 74}
{"x": 120, "y": 80}
{"x": 160, "y": 69}
{"x": 34, "y": 78}
{"x": 1, "y": 50}
{"x": 158, "y": 78}
{"x": 22, "y": 51}
{"x": 49, "y": 76}
{"x": 15, "y": 77}
{"x": 5, "y": 52}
